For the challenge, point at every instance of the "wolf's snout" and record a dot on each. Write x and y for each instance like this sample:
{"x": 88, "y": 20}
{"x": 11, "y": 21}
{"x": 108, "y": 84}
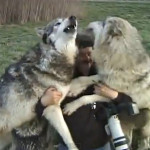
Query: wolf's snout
{"x": 71, "y": 18}
{"x": 72, "y": 24}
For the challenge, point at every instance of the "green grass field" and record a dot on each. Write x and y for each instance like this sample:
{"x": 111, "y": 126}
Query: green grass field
{"x": 16, "y": 39}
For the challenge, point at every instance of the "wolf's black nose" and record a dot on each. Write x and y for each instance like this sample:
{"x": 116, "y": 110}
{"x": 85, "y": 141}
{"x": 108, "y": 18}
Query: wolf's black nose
{"x": 72, "y": 18}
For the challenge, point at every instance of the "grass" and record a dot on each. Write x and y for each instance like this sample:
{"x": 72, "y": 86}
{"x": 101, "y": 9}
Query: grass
{"x": 16, "y": 39}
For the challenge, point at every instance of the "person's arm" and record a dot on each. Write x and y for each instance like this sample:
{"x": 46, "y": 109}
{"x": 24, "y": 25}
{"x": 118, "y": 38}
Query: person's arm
{"x": 112, "y": 94}
{"x": 50, "y": 97}
{"x": 115, "y": 96}
{"x": 39, "y": 108}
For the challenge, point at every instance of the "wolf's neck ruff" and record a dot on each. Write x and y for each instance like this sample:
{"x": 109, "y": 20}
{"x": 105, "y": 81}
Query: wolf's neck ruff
{"x": 57, "y": 63}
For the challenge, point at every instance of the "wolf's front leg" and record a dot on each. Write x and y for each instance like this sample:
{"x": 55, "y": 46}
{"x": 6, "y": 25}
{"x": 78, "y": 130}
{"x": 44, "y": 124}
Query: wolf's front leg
{"x": 54, "y": 115}
{"x": 144, "y": 143}
{"x": 81, "y": 83}
{"x": 84, "y": 100}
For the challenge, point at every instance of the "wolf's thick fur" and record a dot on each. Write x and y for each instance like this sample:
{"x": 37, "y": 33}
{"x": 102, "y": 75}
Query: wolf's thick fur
{"x": 122, "y": 64}
{"x": 34, "y": 135}
{"x": 48, "y": 64}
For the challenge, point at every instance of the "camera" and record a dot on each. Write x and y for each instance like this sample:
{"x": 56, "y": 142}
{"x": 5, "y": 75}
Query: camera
{"x": 118, "y": 138}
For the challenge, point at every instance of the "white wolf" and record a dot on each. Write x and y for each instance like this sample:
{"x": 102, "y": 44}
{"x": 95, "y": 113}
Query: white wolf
{"x": 122, "y": 64}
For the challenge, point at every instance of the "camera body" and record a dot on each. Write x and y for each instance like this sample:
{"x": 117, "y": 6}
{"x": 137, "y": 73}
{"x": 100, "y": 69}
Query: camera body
{"x": 129, "y": 107}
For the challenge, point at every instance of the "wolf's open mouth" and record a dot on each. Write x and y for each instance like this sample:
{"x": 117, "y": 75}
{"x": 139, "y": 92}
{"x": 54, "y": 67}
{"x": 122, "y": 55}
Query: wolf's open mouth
{"x": 70, "y": 28}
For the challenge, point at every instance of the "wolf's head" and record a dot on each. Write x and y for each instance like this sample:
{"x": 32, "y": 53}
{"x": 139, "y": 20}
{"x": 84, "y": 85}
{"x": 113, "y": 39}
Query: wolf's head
{"x": 117, "y": 43}
{"x": 114, "y": 32}
{"x": 59, "y": 33}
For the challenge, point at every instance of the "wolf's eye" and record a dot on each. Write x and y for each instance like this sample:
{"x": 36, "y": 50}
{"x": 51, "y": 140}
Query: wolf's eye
{"x": 57, "y": 24}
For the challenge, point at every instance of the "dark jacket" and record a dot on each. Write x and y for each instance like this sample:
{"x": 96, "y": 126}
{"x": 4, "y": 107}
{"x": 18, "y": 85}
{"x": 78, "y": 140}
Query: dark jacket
{"x": 87, "y": 132}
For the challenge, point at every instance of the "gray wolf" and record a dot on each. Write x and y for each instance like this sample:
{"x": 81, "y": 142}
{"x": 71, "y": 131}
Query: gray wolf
{"x": 50, "y": 63}
{"x": 122, "y": 64}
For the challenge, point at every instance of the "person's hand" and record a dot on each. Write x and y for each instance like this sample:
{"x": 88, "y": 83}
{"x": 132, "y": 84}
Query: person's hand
{"x": 105, "y": 91}
{"x": 51, "y": 97}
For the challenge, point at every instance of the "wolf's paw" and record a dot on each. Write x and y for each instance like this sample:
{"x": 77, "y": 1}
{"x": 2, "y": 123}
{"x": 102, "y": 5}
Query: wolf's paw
{"x": 72, "y": 147}
{"x": 70, "y": 108}
{"x": 72, "y": 94}
{"x": 144, "y": 144}
{"x": 75, "y": 91}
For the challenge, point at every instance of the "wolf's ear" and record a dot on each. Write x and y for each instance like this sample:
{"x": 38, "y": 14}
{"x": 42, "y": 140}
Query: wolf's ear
{"x": 40, "y": 32}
